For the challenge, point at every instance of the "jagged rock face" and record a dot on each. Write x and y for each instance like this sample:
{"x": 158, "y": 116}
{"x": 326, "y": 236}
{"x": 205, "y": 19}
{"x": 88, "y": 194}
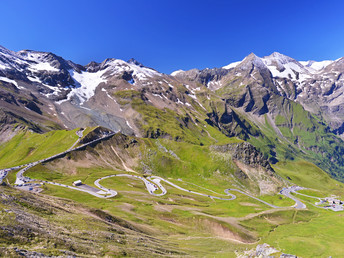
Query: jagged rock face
{"x": 69, "y": 94}
{"x": 203, "y": 76}
{"x": 247, "y": 154}
{"x": 37, "y": 67}
{"x": 253, "y": 166}
{"x": 323, "y": 93}
{"x": 249, "y": 84}
{"x": 231, "y": 124}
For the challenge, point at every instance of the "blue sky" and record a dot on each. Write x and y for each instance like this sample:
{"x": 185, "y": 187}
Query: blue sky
{"x": 170, "y": 35}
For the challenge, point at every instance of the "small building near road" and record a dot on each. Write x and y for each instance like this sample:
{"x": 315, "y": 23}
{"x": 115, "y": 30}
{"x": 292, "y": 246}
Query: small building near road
{"x": 77, "y": 183}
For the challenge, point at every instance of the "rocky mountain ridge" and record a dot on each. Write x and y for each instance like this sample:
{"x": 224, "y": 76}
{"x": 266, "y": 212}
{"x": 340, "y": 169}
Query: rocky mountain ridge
{"x": 317, "y": 86}
{"x": 282, "y": 106}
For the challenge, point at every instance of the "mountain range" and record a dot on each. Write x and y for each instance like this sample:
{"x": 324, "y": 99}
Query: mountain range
{"x": 119, "y": 159}
{"x": 285, "y": 108}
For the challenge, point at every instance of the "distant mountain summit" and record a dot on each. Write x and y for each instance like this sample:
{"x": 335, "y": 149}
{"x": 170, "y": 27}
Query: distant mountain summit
{"x": 270, "y": 101}
{"x": 64, "y": 83}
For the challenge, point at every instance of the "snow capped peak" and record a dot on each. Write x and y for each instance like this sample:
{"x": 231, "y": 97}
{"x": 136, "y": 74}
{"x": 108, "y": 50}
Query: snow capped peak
{"x": 135, "y": 62}
{"x": 251, "y": 60}
{"x": 278, "y": 57}
{"x": 117, "y": 66}
{"x": 282, "y": 66}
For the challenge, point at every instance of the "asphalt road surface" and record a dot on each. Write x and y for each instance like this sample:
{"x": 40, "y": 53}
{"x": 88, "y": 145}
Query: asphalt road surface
{"x": 287, "y": 192}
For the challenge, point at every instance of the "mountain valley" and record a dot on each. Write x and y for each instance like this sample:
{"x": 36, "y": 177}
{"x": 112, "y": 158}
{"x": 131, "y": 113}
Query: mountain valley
{"x": 190, "y": 163}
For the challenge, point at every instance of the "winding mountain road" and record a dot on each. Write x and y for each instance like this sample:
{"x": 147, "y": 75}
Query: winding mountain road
{"x": 152, "y": 183}
{"x": 286, "y": 192}
{"x": 269, "y": 204}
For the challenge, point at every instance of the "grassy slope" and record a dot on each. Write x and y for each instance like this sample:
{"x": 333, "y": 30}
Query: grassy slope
{"x": 186, "y": 220}
{"x": 61, "y": 227}
{"x": 27, "y": 146}
{"x": 312, "y": 136}
{"x": 181, "y": 218}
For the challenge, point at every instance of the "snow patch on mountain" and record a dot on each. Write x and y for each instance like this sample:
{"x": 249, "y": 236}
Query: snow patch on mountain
{"x": 86, "y": 84}
{"x": 34, "y": 79}
{"x": 282, "y": 66}
{"x": 176, "y": 72}
{"x": 139, "y": 72}
{"x": 288, "y": 71}
{"x": 231, "y": 65}
{"x": 4, "y": 79}
{"x": 3, "y": 66}
{"x": 43, "y": 67}
{"x": 317, "y": 66}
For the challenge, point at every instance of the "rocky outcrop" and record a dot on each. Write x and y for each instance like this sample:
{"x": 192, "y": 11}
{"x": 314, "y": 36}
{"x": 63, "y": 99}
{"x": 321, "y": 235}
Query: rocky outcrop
{"x": 253, "y": 167}
{"x": 95, "y": 134}
{"x": 231, "y": 124}
{"x": 247, "y": 154}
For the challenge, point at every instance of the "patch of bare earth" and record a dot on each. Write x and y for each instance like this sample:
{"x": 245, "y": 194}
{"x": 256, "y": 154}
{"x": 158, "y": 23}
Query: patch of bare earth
{"x": 223, "y": 232}
{"x": 267, "y": 184}
{"x": 127, "y": 207}
{"x": 249, "y": 204}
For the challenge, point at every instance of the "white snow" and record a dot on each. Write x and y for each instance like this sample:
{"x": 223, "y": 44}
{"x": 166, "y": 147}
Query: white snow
{"x": 317, "y": 66}
{"x": 34, "y": 79}
{"x": 288, "y": 72}
{"x": 128, "y": 124}
{"x": 156, "y": 95}
{"x": 179, "y": 102}
{"x": 9, "y": 81}
{"x": 231, "y": 65}
{"x": 88, "y": 83}
{"x": 85, "y": 108}
{"x": 43, "y": 67}
{"x": 107, "y": 94}
{"x": 216, "y": 84}
{"x": 176, "y": 72}
{"x": 193, "y": 96}
{"x": 199, "y": 103}
{"x": 3, "y": 66}
{"x": 61, "y": 101}
{"x": 164, "y": 96}
{"x": 140, "y": 73}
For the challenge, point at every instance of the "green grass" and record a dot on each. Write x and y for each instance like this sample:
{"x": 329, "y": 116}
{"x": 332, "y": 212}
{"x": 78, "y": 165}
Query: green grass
{"x": 180, "y": 214}
{"x": 28, "y": 147}
{"x": 319, "y": 237}
{"x": 308, "y": 175}
{"x": 170, "y": 124}
{"x": 278, "y": 200}
{"x": 188, "y": 220}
